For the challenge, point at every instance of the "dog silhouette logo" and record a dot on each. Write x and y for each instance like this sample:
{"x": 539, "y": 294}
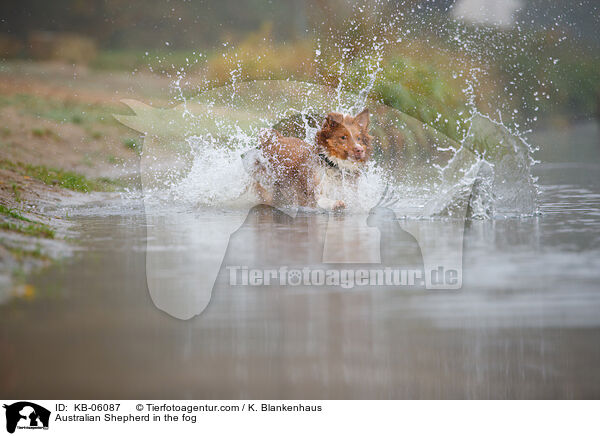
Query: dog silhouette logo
{"x": 26, "y": 415}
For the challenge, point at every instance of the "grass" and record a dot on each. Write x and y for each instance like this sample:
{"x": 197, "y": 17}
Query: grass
{"x": 64, "y": 111}
{"x": 418, "y": 86}
{"x": 26, "y": 226}
{"x": 16, "y": 192}
{"x": 130, "y": 143}
{"x": 40, "y": 132}
{"x": 66, "y": 179}
{"x": 38, "y": 230}
{"x": 133, "y": 144}
{"x": 422, "y": 92}
{"x": 115, "y": 160}
{"x": 22, "y": 254}
{"x": 157, "y": 60}
{"x": 11, "y": 213}
{"x": 63, "y": 178}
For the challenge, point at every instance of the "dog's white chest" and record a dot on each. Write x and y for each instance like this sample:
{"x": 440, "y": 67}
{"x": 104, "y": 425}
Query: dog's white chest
{"x": 335, "y": 184}
{"x": 331, "y": 181}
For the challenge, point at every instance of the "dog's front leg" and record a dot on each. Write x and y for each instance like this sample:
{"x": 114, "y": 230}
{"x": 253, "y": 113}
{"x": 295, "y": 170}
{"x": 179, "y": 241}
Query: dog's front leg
{"x": 321, "y": 197}
{"x": 264, "y": 195}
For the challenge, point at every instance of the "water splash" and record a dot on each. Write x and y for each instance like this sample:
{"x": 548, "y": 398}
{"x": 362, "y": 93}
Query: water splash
{"x": 487, "y": 174}
{"x": 437, "y": 168}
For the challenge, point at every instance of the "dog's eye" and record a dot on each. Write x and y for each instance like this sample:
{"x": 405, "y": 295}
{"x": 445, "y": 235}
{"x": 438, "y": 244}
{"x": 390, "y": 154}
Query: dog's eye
{"x": 344, "y": 137}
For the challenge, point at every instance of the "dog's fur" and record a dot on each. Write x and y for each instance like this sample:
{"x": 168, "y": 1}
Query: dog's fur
{"x": 290, "y": 170}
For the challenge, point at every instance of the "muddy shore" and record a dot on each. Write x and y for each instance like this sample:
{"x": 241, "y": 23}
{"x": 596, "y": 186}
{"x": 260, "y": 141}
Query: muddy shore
{"x": 60, "y": 145}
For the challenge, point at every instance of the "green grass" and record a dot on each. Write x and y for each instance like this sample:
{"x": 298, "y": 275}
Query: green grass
{"x": 417, "y": 89}
{"x": 115, "y": 160}
{"x": 28, "y": 227}
{"x": 158, "y": 60}
{"x": 22, "y": 254}
{"x": 66, "y": 179}
{"x": 58, "y": 110}
{"x": 38, "y": 230}
{"x": 16, "y": 192}
{"x": 63, "y": 178}
{"x": 130, "y": 143}
{"x": 11, "y": 213}
{"x": 40, "y": 132}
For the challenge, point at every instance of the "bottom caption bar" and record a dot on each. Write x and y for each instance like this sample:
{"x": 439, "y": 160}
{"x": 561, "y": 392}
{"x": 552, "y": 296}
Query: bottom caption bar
{"x": 297, "y": 417}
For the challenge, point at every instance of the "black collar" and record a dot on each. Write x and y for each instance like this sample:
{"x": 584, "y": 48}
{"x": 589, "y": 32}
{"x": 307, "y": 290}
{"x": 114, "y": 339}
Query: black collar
{"x": 329, "y": 162}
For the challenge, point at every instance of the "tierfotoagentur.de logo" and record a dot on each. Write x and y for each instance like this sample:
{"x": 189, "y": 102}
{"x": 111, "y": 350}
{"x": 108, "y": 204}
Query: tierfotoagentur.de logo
{"x": 24, "y": 415}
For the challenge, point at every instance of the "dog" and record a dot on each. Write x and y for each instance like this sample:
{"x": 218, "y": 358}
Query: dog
{"x": 287, "y": 170}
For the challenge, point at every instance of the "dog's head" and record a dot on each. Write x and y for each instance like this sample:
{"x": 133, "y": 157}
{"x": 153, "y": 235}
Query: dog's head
{"x": 346, "y": 138}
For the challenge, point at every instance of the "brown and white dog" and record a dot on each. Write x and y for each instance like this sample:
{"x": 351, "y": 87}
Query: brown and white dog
{"x": 287, "y": 170}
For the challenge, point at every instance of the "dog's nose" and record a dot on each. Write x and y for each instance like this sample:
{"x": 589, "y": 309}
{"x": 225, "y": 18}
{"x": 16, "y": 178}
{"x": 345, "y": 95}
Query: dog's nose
{"x": 359, "y": 151}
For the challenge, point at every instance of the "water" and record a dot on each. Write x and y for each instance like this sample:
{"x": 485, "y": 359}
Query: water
{"x": 524, "y": 325}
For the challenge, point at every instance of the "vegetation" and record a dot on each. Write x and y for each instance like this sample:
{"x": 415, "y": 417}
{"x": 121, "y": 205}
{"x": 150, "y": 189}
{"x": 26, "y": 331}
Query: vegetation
{"x": 12, "y": 214}
{"x": 63, "y": 111}
{"x": 24, "y": 225}
{"x": 155, "y": 60}
{"x": 31, "y": 228}
{"x": 38, "y": 230}
{"x": 132, "y": 144}
{"x": 168, "y": 38}
{"x": 63, "y": 178}
{"x": 22, "y": 253}
{"x": 16, "y": 192}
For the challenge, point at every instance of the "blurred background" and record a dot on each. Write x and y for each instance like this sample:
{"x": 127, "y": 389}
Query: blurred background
{"x": 523, "y": 49}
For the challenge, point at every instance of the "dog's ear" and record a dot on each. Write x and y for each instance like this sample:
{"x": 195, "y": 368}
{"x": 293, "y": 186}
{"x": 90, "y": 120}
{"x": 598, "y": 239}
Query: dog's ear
{"x": 362, "y": 119}
{"x": 333, "y": 120}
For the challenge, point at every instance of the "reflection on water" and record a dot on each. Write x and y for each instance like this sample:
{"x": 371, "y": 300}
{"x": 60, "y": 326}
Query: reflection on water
{"x": 524, "y": 325}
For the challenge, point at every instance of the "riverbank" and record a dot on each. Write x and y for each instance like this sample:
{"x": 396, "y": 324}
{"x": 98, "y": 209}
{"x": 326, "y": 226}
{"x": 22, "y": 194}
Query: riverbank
{"x": 59, "y": 144}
